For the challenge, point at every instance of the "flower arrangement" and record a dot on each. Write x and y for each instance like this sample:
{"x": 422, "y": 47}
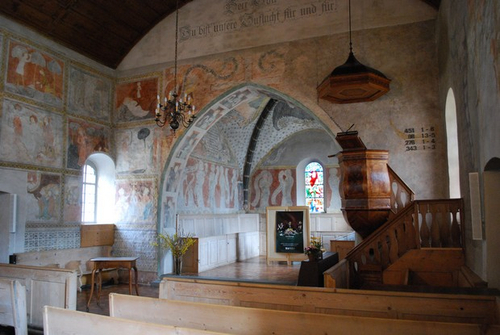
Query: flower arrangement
{"x": 177, "y": 244}
{"x": 315, "y": 248}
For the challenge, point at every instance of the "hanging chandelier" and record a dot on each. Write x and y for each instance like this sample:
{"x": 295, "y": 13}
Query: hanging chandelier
{"x": 175, "y": 112}
{"x": 353, "y": 81}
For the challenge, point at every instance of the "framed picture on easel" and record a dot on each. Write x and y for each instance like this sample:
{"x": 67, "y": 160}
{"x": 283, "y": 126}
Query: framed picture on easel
{"x": 288, "y": 233}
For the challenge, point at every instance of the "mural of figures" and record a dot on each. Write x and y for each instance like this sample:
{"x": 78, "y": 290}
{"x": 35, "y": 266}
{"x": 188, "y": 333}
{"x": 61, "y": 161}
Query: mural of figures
{"x": 174, "y": 175}
{"x": 88, "y": 94}
{"x": 333, "y": 182}
{"x": 136, "y": 100}
{"x": 73, "y": 199}
{"x": 135, "y": 150}
{"x": 84, "y": 138}
{"x": 169, "y": 212}
{"x": 284, "y": 189}
{"x": 44, "y": 204}
{"x": 135, "y": 202}
{"x": 27, "y": 135}
{"x": 34, "y": 74}
{"x": 206, "y": 187}
{"x": 262, "y": 189}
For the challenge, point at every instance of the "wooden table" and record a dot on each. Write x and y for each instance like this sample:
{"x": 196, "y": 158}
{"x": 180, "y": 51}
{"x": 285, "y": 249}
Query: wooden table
{"x": 101, "y": 263}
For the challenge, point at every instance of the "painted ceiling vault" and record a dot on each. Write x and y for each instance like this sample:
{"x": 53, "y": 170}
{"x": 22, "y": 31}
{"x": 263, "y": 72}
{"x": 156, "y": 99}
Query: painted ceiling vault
{"x": 234, "y": 131}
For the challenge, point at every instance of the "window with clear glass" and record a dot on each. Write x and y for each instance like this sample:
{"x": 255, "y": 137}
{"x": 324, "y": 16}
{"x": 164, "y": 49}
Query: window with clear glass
{"x": 89, "y": 193}
{"x": 314, "y": 187}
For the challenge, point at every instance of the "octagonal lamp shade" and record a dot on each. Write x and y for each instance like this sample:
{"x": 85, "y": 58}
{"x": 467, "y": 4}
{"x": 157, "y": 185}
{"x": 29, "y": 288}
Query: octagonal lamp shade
{"x": 353, "y": 82}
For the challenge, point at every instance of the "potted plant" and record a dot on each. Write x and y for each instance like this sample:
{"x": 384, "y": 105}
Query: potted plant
{"x": 315, "y": 250}
{"x": 177, "y": 244}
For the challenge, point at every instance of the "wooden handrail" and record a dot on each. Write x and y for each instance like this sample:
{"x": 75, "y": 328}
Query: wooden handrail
{"x": 401, "y": 194}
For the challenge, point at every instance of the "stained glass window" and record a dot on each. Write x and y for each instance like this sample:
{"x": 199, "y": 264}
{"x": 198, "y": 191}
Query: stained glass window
{"x": 314, "y": 187}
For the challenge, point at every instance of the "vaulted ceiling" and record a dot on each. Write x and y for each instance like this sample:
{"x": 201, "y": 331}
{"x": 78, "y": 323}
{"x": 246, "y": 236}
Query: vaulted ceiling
{"x": 104, "y": 31}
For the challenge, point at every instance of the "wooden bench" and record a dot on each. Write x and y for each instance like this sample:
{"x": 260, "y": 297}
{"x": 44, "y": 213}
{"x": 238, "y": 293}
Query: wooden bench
{"x": 44, "y": 286}
{"x": 390, "y": 305}
{"x": 77, "y": 259}
{"x": 249, "y": 321}
{"x": 13, "y": 306}
{"x": 58, "y": 321}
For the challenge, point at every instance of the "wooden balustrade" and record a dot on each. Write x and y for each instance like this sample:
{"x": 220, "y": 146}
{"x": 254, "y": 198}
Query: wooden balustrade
{"x": 424, "y": 223}
{"x": 401, "y": 194}
{"x": 440, "y": 223}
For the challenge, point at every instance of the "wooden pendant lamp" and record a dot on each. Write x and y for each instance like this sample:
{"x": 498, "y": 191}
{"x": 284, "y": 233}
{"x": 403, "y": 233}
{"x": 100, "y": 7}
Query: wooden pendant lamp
{"x": 353, "y": 81}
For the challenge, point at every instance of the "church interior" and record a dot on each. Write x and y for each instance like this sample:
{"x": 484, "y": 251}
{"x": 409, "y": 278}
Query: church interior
{"x": 256, "y": 130}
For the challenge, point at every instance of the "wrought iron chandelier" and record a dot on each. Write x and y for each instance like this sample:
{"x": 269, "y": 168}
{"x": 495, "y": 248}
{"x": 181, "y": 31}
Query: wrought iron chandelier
{"x": 175, "y": 112}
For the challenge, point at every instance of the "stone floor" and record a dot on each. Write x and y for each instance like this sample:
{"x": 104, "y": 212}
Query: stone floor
{"x": 253, "y": 270}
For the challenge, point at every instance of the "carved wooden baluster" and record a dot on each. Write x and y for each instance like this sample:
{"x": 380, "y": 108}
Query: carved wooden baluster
{"x": 455, "y": 228}
{"x": 393, "y": 247}
{"x": 411, "y": 234}
{"x": 434, "y": 214}
{"x": 424, "y": 229}
{"x": 403, "y": 237}
{"x": 376, "y": 252}
{"x": 445, "y": 225}
{"x": 394, "y": 195}
{"x": 384, "y": 251}
{"x": 416, "y": 225}
{"x": 399, "y": 233}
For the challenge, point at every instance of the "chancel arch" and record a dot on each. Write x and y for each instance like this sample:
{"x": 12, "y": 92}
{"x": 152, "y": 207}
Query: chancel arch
{"x": 204, "y": 174}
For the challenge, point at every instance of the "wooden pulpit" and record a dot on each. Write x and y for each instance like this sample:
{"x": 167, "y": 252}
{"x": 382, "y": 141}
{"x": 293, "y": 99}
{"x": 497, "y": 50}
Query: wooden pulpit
{"x": 365, "y": 187}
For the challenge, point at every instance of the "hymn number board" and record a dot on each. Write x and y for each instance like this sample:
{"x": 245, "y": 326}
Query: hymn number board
{"x": 419, "y": 139}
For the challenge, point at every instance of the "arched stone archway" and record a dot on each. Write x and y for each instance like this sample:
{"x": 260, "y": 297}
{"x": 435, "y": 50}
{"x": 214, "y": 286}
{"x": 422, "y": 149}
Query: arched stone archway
{"x": 174, "y": 176}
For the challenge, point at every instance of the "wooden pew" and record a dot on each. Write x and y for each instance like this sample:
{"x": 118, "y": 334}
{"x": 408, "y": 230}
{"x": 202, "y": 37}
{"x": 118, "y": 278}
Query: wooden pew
{"x": 72, "y": 259}
{"x": 44, "y": 286}
{"x": 13, "y": 306}
{"x": 390, "y": 305}
{"x": 59, "y": 321}
{"x": 249, "y": 321}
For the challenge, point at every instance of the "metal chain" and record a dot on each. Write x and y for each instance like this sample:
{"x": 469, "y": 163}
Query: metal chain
{"x": 176, "y": 42}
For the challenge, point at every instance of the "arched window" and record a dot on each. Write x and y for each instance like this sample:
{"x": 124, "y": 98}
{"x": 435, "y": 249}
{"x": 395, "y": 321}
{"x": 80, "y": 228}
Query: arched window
{"x": 452, "y": 145}
{"x": 314, "y": 189}
{"x": 89, "y": 193}
{"x": 98, "y": 189}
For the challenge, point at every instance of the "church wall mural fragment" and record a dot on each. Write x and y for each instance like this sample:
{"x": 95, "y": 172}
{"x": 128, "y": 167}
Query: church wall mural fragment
{"x": 30, "y": 135}
{"x": 136, "y": 150}
{"x": 89, "y": 94}
{"x": 208, "y": 187}
{"x": 84, "y": 138}
{"x": 34, "y": 73}
{"x": 44, "y": 202}
{"x": 135, "y": 202}
{"x": 136, "y": 100}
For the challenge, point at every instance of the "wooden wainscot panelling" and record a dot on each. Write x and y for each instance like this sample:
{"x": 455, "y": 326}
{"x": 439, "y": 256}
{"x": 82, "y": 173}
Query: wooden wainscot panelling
{"x": 13, "y": 310}
{"x": 250, "y": 321}
{"x": 426, "y": 266}
{"x": 337, "y": 276}
{"x": 97, "y": 235}
{"x": 341, "y": 247}
{"x": 44, "y": 286}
